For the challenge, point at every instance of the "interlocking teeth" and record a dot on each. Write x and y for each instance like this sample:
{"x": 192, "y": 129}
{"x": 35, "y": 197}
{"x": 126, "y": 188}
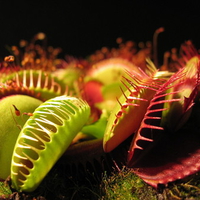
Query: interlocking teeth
{"x": 41, "y": 84}
{"x": 44, "y": 138}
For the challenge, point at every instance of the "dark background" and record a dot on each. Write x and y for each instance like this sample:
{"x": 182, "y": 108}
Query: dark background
{"x": 81, "y": 27}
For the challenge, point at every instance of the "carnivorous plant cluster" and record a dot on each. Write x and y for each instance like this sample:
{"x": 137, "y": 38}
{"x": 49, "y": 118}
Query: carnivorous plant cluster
{"x": 50, "y": 104}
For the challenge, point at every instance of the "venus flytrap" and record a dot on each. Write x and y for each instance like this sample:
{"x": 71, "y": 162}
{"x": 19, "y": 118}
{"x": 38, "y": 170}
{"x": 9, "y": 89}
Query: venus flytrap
{"x": 151, "y": 105}
{"x": 129, "y": 112}
{"x": 48, "y": 132}
{"x": 23, "y": 90}
{"x": 153, "y": 108}
{"x": 41, "y": 84}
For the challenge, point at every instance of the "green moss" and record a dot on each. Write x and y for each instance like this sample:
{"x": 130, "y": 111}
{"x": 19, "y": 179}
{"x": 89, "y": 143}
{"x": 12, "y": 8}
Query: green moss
{"x": 188, "y": 188}
{"x": 126, "y": 185}
{"x": 5, "y": 190}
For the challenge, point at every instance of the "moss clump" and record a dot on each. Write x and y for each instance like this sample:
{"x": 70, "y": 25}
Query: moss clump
{"x": 5, "y": 190}
{"x": 188, "y": 188}
{"x": 126, "y": 185}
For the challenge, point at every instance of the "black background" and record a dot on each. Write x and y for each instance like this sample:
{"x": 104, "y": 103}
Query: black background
{"x": 81, "y": 27}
